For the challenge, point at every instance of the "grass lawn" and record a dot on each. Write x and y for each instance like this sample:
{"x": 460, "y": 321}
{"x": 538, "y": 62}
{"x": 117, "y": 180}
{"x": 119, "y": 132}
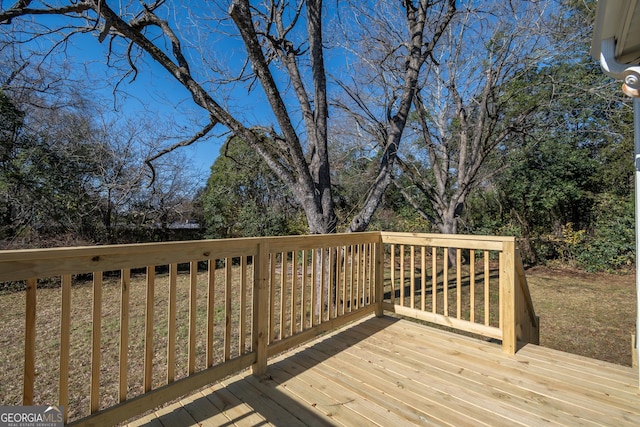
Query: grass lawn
{"x": 593, "y": 315}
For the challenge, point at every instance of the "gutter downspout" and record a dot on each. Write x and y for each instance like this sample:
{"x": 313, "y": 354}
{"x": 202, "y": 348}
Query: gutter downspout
{"x": 636, "y": 140}
{"x": 630, "y": 75}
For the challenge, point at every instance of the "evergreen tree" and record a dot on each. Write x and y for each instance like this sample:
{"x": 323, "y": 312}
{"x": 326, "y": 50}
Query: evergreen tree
{"x": 244, "y": 198}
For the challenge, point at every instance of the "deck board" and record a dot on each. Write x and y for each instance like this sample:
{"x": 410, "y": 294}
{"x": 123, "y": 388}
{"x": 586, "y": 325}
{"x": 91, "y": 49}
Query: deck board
{"x": 386, "y": 371}
{"x": 204, "y": 411}
{"x": 473, "y": 383}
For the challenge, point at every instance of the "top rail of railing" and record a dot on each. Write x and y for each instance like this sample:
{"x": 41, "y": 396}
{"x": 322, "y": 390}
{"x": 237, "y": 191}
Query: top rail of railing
{"x": 447, "y": 240}
{"x": 22, "y": 264}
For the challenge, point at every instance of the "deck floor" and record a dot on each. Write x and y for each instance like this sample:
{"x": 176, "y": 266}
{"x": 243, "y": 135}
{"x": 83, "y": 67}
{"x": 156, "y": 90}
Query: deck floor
{"x": 391, "y": 372}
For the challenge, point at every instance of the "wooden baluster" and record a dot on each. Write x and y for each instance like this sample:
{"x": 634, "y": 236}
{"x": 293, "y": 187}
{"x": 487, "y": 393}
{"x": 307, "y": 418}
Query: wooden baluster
{"x": 323, "y": 283}
{"x": 123, "y": 360}
{"x": 458, "y": 283}
{"x": 261, "y": 307}
{"x": 272, "y": 299}
{"x": 487, "y": 308}
{"x": 65, "y": 341}
{"x": 30, "y": 342}
{"x": 365, "y": 270}
{"x": 345, "y": 260}
{"x": 96, "y": 325}
{"x": 228, "y": 282}
{"x": 294, "y": 293}
{"x": 330, "y": 284}
{"x": 379, "y": 277}
{"x": 434, "y": 280}
{"x": 412, "y": 276}
{"x": 372, "y": 271}
{"x": 314, "y": 289}
{"x": 148, "y": 329}
{"x": 339, "y": 278}
{"x": 393, "y": 273}
{"x": 211, "y": 279}
{"x": 303, "y": 291}
{"x": 472, "y": 285}
{"x": 445, "y": 280}
{"x": 352, "y": 277}
{"x": 242, "y": 323}
{"x": 283, "y": 293}
{"x": 171, "y": 323}
{"x": 402, "y": 275}
{"x": 423, "y": 278}
{"x": 193, "y": 311}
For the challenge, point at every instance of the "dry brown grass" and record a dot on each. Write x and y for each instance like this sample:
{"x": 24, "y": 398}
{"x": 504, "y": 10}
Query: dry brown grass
{"x": 588, "y": 314}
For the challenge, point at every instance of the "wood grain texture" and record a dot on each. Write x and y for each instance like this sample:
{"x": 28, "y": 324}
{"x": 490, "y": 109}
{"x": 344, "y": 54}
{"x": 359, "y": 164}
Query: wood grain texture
{"x": 123, "y": 354}
{"x": 65, "y": 340}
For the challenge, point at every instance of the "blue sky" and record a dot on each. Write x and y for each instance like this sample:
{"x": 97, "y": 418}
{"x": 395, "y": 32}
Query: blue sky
{"x": 153, "y": 91}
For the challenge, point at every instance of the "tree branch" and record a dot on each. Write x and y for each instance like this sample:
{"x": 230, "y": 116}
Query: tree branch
{"x": 17, "y": 11}
{"x": 201, "y": 134}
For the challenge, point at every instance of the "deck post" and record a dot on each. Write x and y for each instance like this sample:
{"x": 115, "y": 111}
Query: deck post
{"x": 261, "y": 308}
{"x": 507, "y": 297}
{"x": 379, "y": 276}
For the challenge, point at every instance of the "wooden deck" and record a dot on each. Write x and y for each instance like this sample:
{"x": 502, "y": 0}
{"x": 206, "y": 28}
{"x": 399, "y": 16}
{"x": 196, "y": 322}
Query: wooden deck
{"x": 390, "y": 372}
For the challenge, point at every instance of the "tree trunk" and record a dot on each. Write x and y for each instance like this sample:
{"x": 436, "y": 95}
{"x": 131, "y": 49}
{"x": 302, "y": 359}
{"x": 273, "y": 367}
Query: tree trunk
{"x": 449, "y": 225}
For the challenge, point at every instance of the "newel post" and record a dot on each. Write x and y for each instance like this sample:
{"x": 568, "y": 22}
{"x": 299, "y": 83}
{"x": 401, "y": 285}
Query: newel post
{"x": 508, "y": 297}
{"x": 379, "y": 276}
{"x": 261, "y": 308}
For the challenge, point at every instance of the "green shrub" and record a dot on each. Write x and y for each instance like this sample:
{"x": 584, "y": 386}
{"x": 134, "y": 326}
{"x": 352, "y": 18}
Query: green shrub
{"x": 611, "y": 245}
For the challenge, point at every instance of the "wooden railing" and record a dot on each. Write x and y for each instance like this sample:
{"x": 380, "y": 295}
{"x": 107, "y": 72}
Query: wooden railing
{"x": 126, "y": 328}
{"x": 474, "y": 284}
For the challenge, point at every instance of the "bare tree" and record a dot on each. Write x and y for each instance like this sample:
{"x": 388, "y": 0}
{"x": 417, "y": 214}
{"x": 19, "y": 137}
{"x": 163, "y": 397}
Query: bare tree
{"x": 131, "y": 196}
{"x": 119, "y": 174}
{"x": 69, "y": 169}
{"x": 464, "y": 107}
{"x": 283, "y": 56}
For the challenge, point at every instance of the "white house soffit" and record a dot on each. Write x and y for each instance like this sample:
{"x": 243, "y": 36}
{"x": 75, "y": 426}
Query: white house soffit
{"x": 620, "y": 20}
{"x": 628, "y": 48}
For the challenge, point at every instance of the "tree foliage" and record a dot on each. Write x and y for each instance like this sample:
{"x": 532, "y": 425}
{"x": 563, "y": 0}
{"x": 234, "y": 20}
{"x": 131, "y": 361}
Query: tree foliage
{"x": 244, "y": 198}
{"x": 567, "y": 182}
{"x": 43, "y": 173}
